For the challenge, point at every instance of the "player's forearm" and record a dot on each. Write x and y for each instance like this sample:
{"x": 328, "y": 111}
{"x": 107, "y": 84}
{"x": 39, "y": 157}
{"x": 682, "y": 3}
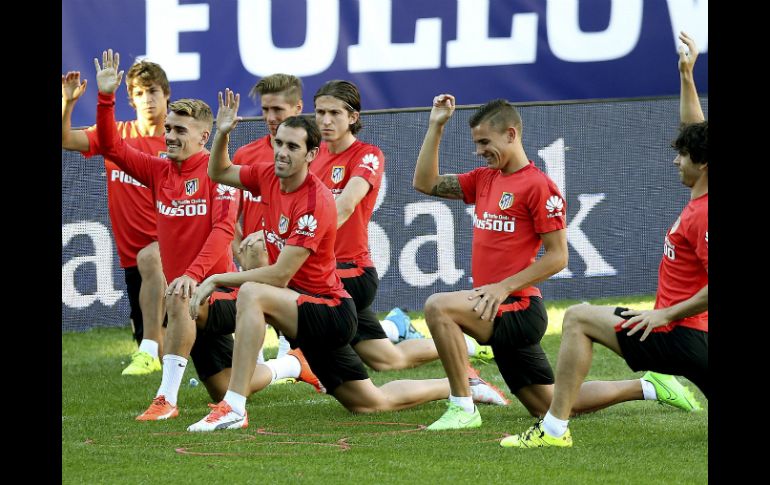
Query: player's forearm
{"x": 219, "y": 161}
{"x": 548, "y": 265}
{"x": 67, "y": 106}
{"x": 106, "y": 132}
{"x": 71, "y": 139}
{"x": 344, "y": 211}
{"x": 269, "y": 275}
{"x": 426, "y": 170}
{"x": 690, "y": 110}
{"x": 698, "y": 303}
{"x": 216, "y": 243}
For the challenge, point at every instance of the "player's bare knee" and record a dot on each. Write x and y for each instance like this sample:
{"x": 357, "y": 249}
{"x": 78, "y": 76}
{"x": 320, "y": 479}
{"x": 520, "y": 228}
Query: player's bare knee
{"x": 434, "y": 307}
{"x": 176, "y": 306}
{"x": 575, "y": 318}
{"x": 254, "y": 257}
{"x": 148, "y": 260}
{"x": 249, "y": 295}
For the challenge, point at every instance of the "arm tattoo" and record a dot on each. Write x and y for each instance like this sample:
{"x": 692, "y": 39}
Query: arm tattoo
{"x": 448, "y": 187}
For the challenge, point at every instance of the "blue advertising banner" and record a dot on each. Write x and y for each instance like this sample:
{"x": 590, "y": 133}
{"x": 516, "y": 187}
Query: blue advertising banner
{"x": 400, "y": 53}
{"x": 611, "y": 160}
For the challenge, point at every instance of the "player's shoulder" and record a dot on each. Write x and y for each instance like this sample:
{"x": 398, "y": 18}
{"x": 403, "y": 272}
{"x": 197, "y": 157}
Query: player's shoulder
{"x": 697, "y": 209}
{"x": 538, "y": 177}
{"x": 367, "y": 152}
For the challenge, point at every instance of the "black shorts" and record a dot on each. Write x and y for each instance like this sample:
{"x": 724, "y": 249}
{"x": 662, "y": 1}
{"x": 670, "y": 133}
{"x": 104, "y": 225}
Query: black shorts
{"x": 212, "y": 351}
{"x": 133, "y": 284}
{"x": 683, "y": 352}
{"x": 324, "y": 330}
{"x": 362, "y": 285}
{"x": 516, "y": 335}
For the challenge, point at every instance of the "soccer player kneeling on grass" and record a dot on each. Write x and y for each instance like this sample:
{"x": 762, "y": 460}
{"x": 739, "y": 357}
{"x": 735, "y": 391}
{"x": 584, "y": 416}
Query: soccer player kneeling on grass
{"x": 299, "y": 293}
{"x": 518, "y": 208}
{"x": 675, "y": 333}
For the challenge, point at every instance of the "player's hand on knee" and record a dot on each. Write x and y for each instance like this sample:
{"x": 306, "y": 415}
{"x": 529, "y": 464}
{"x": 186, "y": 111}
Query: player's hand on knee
{"x": 490, "y": 298}
{"x": 200, "y": 294}
{"x": 647, "y": 320}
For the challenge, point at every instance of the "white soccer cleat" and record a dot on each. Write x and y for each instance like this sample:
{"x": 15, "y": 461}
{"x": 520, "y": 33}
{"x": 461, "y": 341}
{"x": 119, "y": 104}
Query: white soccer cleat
{"x": 484, "y": 392}
{"x": 221, "y": 416}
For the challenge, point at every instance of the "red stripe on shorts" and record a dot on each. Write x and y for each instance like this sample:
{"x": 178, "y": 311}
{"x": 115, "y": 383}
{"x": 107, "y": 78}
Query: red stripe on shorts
{"x": 664, "y": 329}
{"x": 516, "y": 306}
{"x": 349, "y": 272}
{"x": 223, "y": 295}
{"x": 317, "y": 300}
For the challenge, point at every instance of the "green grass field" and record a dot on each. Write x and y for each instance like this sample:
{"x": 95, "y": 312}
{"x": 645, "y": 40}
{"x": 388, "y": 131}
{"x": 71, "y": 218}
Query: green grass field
{"x": 296, "y": 435}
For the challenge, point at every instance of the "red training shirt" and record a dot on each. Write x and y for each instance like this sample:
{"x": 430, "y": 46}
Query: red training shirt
{"x": 335, "y": 170}
{"x": 196, "y": 216}
{"x": 305, "y": 218}
{"x": 130, "y": 204}
{"x": 511, "y": 211}
{"x": 683, "y": 270}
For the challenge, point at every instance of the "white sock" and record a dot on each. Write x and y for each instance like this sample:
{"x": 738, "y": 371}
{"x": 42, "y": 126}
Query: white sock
{"x": 236, "y": 401}
{"x": 286, "y": 366}
{"x": 471, "y": 344}
{"x": 648, "y": 390}
{"x": 149, "y": 346}
{"x": 391, "y": 330}
{"x": 173, "y": 371}
{"x": 283, "y": 346}
{"x": 554, "y": 426}
{"x": 465, "y": 402}
{"x": 261, "y": 357}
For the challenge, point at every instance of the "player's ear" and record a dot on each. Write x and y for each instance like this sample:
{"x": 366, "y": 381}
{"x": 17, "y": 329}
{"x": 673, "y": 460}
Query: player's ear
{"x": 310, "y": 156}
{"x": 512, "y": 133}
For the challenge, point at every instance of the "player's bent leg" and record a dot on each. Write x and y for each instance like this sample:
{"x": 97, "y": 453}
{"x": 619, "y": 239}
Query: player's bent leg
{"x": 180, "y": 334}
{"x": 151, "y": 298}
{"x": 256, "y": 304}
{"x": 536, "y": 398}
{"x": 362, "y": 396}
{"x": 448, "y": 316}
{"x": 382, "y": 355}
{"x": 583, "y": 324}
{"x": 216, "y": 385}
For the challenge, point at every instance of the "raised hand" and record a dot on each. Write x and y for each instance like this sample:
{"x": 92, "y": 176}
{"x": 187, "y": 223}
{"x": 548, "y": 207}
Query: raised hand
{"x": 227, "y": 115}
{"x": 71, "y": 87}
{"x": 687, "y": 55}
{"x": 443, "y": 108}
{"x": 107, "y": 75}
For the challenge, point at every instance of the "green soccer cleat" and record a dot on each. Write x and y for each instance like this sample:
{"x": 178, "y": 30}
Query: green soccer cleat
{"x": 484, "y": 353}
{"x": 456, "y": 417}
{"x": 670, "y": 391}
{"x": 285, "y": 380}
{"x": 536, "y": 437}
{"x": 141, "y": 363}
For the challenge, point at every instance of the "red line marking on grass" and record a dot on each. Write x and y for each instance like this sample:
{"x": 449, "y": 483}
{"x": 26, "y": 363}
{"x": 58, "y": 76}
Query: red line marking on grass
{"x": 419, "y": 427}
{"x": 341, "y": 444}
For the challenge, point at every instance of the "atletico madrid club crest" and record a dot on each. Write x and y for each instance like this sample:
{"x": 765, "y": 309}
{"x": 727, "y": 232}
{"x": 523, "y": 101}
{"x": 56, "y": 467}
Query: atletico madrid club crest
{"x": 506, "y": 200}
{"x": 190, "y": 187}
{"x": 338, "y": 173}
{"x": 283, "y": 224}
